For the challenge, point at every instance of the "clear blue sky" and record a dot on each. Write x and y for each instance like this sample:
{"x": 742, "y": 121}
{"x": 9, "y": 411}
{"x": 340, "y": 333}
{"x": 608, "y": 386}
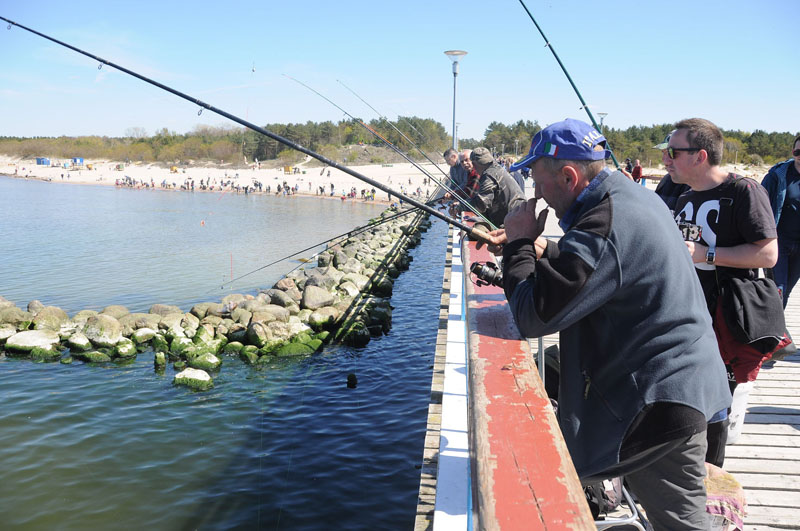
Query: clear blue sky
{"x": 733, "y": 62}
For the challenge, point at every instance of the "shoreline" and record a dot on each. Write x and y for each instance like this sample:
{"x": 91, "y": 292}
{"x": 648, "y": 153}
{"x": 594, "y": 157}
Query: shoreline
{"x": 404, "y": 178}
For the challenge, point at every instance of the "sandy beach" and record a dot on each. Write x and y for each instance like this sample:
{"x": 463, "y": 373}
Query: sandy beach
{"x": 404, "y": 178}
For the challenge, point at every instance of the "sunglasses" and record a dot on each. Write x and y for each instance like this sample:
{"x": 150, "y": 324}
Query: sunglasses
{"x": 671, "y": 151}
{"x": 796, "y": 152}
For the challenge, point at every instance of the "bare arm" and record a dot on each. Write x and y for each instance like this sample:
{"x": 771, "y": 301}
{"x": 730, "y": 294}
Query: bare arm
{"x": 763, "y": 253}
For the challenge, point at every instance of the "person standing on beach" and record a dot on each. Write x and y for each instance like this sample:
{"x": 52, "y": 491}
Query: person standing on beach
{"x": 639, "y": 375}
{"x": 782, "y": 183}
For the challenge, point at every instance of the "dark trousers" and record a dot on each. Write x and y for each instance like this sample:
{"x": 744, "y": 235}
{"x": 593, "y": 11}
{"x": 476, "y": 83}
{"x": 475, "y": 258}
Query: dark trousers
{"x": 787, "y": 269}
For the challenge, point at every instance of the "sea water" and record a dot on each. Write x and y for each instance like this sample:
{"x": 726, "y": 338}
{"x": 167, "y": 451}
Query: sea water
{"x": 288, "y": 446}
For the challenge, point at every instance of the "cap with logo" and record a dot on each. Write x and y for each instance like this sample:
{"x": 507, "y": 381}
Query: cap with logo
{"x": 568, "y": 140}
{"x": 665, "y": 143}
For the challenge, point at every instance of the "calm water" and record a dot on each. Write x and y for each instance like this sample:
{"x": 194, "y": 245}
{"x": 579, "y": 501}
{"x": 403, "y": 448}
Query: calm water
{"x": 286, "y": 447}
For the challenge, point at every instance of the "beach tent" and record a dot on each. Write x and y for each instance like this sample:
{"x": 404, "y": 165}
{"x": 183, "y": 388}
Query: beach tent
{"x": 77, "y": 161}
{"x": 42, "y": 161}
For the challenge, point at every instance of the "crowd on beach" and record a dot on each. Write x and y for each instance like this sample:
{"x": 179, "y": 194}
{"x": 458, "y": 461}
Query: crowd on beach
{"x": 663, "y": 314}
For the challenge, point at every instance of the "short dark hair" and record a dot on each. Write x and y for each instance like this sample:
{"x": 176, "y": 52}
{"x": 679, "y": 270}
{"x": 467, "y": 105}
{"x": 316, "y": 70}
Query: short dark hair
{"x": 796, "y": 140}
{"x": 702, "y": 134}
{"x": 589, "y": 168}
{"x": 449, "y": 152}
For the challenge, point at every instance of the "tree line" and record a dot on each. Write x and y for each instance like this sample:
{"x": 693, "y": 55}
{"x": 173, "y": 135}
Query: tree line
{"x": 242, "y": 146}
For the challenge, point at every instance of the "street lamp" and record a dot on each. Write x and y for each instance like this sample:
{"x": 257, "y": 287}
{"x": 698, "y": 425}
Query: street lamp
{"x": 455, "y": 56}
{"x": 516, "y": 142}
{"x": 602, "y": 115}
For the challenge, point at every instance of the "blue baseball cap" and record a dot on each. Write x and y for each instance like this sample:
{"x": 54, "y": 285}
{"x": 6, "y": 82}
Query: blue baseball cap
{"x": 568, "y": 140}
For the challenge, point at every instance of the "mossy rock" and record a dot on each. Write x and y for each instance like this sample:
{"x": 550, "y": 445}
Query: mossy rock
{"x": 316, "y": 344}
{"x": 355, "y": 334}
{"x": 323, "y": 336}
{"x": 234, "y": 347}
{"x": 206, "y": 361}
{"x": 143, "y": 335}
{"x": 160, "y": 343}
{"x": 160, "y": 361}
{"x": 179, "y": 365}
{"x": 301, "y": 338}
{"x": 203, "y": 334}
{"x": 93, "y": 356}
{"x": 66, "y": 360}
{"x": 179, "y": 345}
{"x": 249, "y": 356}
{"x": 125, "y": 349}
{"x": 79, "y": 342}
{"x": 43, "y": 355}
{"x": 196, "y": 379}
{"x": 294, "y": 349}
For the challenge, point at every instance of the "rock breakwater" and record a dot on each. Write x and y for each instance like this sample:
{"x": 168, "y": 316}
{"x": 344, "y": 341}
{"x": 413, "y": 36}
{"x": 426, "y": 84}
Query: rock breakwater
{"x": 341, "y": 296}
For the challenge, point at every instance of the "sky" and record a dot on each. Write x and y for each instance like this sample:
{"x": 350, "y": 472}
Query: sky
{"x": 733, "y": 62}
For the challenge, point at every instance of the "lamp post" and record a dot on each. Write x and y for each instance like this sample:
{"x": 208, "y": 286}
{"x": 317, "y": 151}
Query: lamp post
{"x": 516, "y": 142}
{"x": 455, "y": 56}
{"x": 602, "y": 115}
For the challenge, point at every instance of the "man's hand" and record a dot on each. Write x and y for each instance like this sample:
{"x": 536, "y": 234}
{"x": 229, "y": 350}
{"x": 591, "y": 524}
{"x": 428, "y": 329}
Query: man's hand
{"x": 522, "y": 222}
{"x": 698, "y": 251}
{"x": 496, "y": 240}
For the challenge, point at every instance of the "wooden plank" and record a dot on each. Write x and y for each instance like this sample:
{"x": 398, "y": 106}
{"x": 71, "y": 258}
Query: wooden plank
{"x": 754, "y": 439}
{"x": 772, "y": 400}
{"x": 785, "y": 518}
{"x": 760, "y": 466}
{"x": 771, "y": 418}
{"x": 788, "y": 376}
{"x": 772, "y": 498}
{"x": 789, "y": 485}
{"x": 782, "y": 410}
{"x": 776, "y": 383}
{"x": 761, "y": 452}
{"x": 773, "y": 429}
{"x": 787, "y": 391}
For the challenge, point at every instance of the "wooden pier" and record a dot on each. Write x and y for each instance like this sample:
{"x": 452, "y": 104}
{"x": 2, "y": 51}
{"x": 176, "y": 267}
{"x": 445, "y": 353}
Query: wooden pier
{"x": 766, "y": 457}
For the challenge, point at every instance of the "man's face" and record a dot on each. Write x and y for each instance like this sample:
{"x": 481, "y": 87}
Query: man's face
{"x": 680, "y": 167}
{"x": 452, "y": 159}
{"x": 796, "y": 148}
{"x": 467, "y": 163}
{"x": 552, "y": 187}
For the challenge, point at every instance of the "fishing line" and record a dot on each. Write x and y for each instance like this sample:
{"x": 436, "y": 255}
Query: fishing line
{"x": 399, "y": 152}
{"x": 585, "y": 106}
{"x": 384, "y": 118}
{"x": 476, "y": 232}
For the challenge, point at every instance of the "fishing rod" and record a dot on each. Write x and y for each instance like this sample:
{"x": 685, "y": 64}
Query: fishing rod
{"x": 585, "y": 106}
{"x": 348, "y": 234}
{"x": 384, "y": 118}
{"x": 398, "y": 151}
{"x": 472, "y": 231}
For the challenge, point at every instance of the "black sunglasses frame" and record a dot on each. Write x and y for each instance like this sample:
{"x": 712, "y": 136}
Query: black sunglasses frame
{"x": 796, "y": 152}
{"x": 671, "y": 151}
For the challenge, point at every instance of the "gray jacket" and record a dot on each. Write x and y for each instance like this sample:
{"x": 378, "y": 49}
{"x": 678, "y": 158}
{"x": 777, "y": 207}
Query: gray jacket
{"x": 498, "y": 193}
{"x": 621, "y": 289}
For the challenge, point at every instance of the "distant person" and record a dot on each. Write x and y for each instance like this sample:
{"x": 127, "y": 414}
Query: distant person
{"x": 636, "y": 172}
{"x": 782, "y": 183}
{"x": 628, "y": 166}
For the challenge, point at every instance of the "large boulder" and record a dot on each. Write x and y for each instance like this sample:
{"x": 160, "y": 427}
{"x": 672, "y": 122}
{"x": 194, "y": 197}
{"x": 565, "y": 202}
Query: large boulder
{"x": 349, "y": 289}
{"x": 351, "y": 266}
{"x": 217, "y": 309}
{"x": 80, "y": 318}
{"x": 14, "y": 316}
{"x": 278, "y": 312}
{"x": 125, "y": 349}
{"x": 241, "y": 316}
{"x": 360, "y": 281}
{"x": 315, "y": 297}
{"x": 233, "y": 299}
{"x": 5, "y": 303}
{"x": 164, "y": 309}
{"x": 259, "y": 334}
{"x": 143, "y": 335}
{"x": 196, "y": 379}
{"x": 201, "y": 310}
{"x": 6, "y": 331}
{"x": 43, "y": 355}
{"x": 103, "y": 330}
{"x": 35, "y": 306}
{"x": 323, "y": 318}
{"x": 205, "y": 361}
{"x": 116, "y": 311}
{"x": 280, "y": 298}
{"x": 285, "y": 284}
{"x": 24, "y": 342}
{"x": 92, "y": 356}
{"x": 79, "y": 342}
{"x": 294, "y": 349}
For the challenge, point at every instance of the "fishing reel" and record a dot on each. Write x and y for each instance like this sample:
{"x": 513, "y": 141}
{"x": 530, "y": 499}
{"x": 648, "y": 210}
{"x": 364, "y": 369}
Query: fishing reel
{"x": 486, "y": 273}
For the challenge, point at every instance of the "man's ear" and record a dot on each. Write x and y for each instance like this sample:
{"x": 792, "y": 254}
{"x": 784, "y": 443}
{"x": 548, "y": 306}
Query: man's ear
{"x": 570, "y": 176}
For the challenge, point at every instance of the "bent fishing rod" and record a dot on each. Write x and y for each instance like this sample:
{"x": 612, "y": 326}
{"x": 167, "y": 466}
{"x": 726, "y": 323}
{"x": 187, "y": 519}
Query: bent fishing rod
{"x": 398, "y": 151}
{"x": 585, "y": 106}
{"x": 348, "y": 234}
{"x": 472, "y": 231}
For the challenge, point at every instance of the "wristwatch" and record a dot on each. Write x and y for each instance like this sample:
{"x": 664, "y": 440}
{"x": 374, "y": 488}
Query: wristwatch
{"x": 711, "y": 256}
